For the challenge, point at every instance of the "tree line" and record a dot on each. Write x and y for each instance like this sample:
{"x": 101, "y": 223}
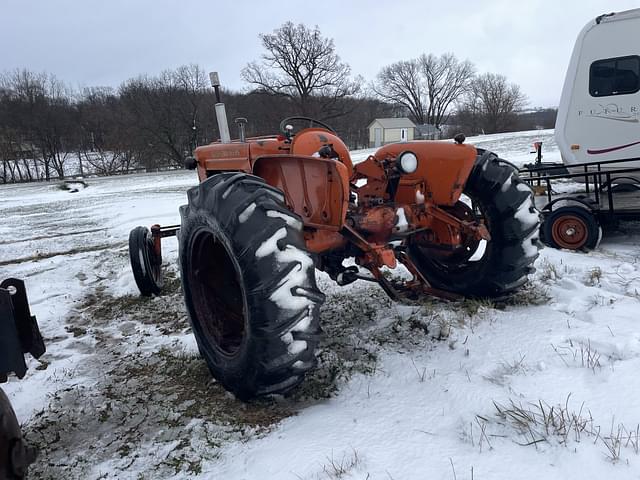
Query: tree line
{"x": 48, "y": 129}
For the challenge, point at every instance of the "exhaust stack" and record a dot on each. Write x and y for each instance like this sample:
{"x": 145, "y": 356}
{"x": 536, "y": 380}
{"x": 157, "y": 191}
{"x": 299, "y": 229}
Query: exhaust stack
{"x": 221, "y": 113}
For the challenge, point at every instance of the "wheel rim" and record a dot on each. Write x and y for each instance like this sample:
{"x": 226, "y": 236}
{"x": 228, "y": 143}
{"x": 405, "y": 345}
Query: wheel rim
{"x": 472, "y": 249}
{"x": 153, "y": 262}
{"x": 217, "y": 294}
{"x": 569, "y": 231}
{"x": 473, "y": 254}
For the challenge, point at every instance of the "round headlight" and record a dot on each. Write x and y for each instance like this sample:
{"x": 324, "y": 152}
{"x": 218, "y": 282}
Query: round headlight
{"x": 408, "y": 162}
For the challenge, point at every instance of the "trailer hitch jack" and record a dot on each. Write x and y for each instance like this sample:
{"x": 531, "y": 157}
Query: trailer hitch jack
{"x": 19, "y": 332}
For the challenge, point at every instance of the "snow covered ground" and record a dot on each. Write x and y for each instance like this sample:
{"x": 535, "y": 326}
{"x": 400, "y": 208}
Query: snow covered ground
{"x": 542, "y": 386}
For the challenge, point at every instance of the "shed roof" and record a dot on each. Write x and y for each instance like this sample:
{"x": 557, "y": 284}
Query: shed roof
{"x": 400, "y": 122}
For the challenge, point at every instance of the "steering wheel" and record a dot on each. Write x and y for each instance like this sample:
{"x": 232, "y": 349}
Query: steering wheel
{"x": 311, "y": 121}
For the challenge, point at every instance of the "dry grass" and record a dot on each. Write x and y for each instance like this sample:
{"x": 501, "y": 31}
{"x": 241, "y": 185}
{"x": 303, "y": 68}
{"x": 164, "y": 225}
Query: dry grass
{"x": 505, "y": 369}
{"x": 549, "y": 271}
{"x": 579, "y": 353}
{"x": 146, "y": 394}
{"x": 593, "y": 277}
{"x": 336, "y": 469}
{"x": 540, "y": 423}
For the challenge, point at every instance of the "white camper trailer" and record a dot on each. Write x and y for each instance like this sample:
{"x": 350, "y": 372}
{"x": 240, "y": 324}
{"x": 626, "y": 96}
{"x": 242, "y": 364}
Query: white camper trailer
{"x": 598, "y": 133}
{"x": 598, "y": 116}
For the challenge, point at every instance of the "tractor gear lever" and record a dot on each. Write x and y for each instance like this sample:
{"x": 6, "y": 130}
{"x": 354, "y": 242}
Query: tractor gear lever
{"x": 241, "y": 122}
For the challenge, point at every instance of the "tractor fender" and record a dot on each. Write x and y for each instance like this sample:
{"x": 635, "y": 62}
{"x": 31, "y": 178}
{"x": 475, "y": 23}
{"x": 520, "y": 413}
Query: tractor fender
{"x": 315, "y": 188}
{"x": 310, "y": 140}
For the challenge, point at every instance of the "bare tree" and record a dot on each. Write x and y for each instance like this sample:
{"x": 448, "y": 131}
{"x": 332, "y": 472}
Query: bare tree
{"x": 40, "y": 108}
{"x": 401, "y": 83}
{"x": 166, "y": 113}
{"x": 427, "y": 86}
{"x": 493, "y": 103}
{"x": 302, "y": 65}
{"x": 446, "y": 80}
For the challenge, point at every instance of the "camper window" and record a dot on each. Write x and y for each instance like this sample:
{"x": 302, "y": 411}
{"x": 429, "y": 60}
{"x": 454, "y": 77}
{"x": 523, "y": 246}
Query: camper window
{"x": 614, "y": 76}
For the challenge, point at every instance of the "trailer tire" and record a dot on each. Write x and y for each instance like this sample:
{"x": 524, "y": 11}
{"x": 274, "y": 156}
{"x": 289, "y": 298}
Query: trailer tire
{"x": 249, "y": 285}
{"x": 571, "y": 227}
{"x": 506, "y": 205}
{"x": 145, "y": 264}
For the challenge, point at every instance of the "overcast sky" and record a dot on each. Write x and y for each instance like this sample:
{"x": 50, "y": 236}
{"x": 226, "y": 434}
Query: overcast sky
{"x": 104, "y": 42}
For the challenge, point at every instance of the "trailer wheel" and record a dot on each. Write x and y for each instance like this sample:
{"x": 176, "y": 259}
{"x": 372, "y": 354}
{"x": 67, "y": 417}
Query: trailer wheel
{"x": 249, "y": 285}
{"x": 499, "y": 266}
{"x": 571, "y": 227}
{"x": 145, "y": 263}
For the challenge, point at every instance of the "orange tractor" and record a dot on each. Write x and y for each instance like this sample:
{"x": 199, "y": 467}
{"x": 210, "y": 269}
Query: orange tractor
{"x": 271, "y": 210}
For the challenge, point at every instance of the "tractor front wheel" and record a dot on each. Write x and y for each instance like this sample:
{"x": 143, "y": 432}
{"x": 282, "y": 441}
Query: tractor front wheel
{"x": 145, "y": 263}
{"x": 496, "y": 196}
{"x": 249, "y": 285}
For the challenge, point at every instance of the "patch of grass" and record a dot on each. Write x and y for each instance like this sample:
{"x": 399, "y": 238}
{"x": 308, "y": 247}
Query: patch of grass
{"x": 348, "y": 323}
{"x": 579, "y": 353}
{"x": 162, "y": 399}
{"x": 549, "y": 271}
{"x": 44, "y": 255}
{"x": 143, "y": 397}
{"x": 166, "y": 311}
{"x": 532, "y": 293}
{"x": 539, "y": 423}
{"x": 335, "y": 469}
{"x": 505, "y": 369}
{"x": 593, "y": 277}
{"x": 473, "y": 306}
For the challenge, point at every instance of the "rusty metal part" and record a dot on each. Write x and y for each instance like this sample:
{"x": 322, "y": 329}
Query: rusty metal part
{"x": 443, "y": 167}
{"x": 317, "y": 189}
{"x": 374, "y": 255}
{"x": 374, "y": 191}
{"x": 159, "y": 232}
{"x": 157, "y": 244}
{"x": 378, "y": 221}
{"x": 420, "y": 283}
{"x": 319, "y": 241}
{"x": 570, "y": 231}
{"x": 377, "y": 256}
{"x": 311, "y": 141}
{"x": 412, "y": 288}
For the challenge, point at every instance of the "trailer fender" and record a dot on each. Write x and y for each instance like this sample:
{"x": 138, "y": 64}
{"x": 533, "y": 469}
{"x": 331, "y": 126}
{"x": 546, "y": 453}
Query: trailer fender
{"x": 583, "y": 202}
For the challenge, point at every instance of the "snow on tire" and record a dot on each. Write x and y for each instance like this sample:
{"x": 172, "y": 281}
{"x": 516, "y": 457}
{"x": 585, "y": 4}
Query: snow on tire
{"x": 505, "y": 204}
{"x": 249, "y": 285}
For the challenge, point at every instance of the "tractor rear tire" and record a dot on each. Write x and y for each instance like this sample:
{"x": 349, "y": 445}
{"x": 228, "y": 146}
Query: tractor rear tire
{"x": 15, "y": 454}
{"x": 145, "y": 264}
{"x": 249, "y": 285}
{"x": 505, "y": 204}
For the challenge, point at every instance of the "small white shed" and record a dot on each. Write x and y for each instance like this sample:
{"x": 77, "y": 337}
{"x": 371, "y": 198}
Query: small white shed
{"x": 388, "y": 130}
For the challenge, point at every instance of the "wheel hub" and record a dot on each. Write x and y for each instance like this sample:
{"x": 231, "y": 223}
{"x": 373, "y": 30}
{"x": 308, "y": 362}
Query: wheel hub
{"x": 217, "y": 294}
{"x": 570, "y": 232}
